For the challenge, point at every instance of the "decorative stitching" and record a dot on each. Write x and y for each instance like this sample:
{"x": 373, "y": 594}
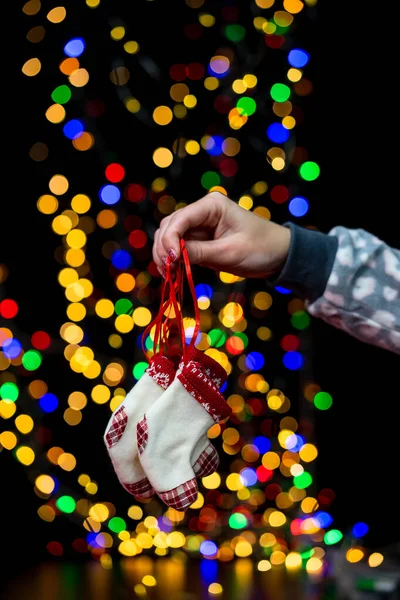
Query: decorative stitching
{"x": 182, "y": 496}
{"x": 142, "y": 434}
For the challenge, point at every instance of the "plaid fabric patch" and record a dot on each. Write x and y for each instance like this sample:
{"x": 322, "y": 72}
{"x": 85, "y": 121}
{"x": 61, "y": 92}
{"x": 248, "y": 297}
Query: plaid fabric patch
{"x": 207, "y": 463}
{"x": 141, "y": 489}
{"x": 117, "y": 427}
{"x": 142, "y": 434}
{"x": 182, "y": 496}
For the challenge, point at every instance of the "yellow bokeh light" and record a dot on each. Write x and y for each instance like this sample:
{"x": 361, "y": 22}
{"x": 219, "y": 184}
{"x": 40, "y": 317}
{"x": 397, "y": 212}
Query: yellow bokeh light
{"x": 206, "y": 20}
{"x": 132, "y": 104}
{"x": 77, "y": 400}
{"x": 288, "y": 122}
{"x": 314, "y": 565}
{"x": 176, "y": 539}
{"x": 79, "y": 78}
{"x": 57, "y": 15}
{"x": 67, "y": 276}
{"x": 309, "y": 504}
{"x": 293, "y": 561}
{"x": 375, "y": 559}
{"x": 192, "y": 147}
{"x": 178, "y": 91}
{"x": 125, "y": 282}
{"x": 293, "y": 6}
{"x": 72, "y": 417}
{"x": 104, "y": 308}
{"x": 277, "y": 519}
{"x": 128, "y": 548}
{"x": 99, "y": 512}
{"x": 211, "y": 482}
{"x": 47, "y": 204}
{"x": 31, "y": 67}
{"x": 354, "y": 555}
{"x": 93, "y": 3}
{"x": 124, "y": 323}
{"x": 239, "y": 86}
{"x": 275, "y": 402}
{"x": 162, "y": 157}
{"x": 131, "y": 47}
{"x": 80, "y": 203}
{"x": 117, "y": 33}
{"x": 243, "y": 548}
{"x": 142, "y": 316}
{"x": 7, "y": 410}
{"x": 265, "y": 3}
{"x": 149, "y": 580}
{"x": 58, "y": 185}
{"x": 46, "y": 513}
{"x": 262, "y": 300}
{"x": 211, "y": 83}
{"x": 250, "y": 80}
{"x": 246, "y": 202}
{"x": 67, "y": 461}
{"x": 45, "y": 484}
{"x": 8, "y": 439}
{"x": 24, "y": 423}
{"x": 294, "y": 75}
{"x": 76, "y": 238}
{"x": 162, "y": 115}
{"x": 100, "y": 394}
{"x": 199, "y": 502}
{"x": 215, "y": 589}
{"x": 234, "y": 482}
{"x": 271, "y": 460}
{"x": 76, "y": 311}
{"x": 55, "y": 113}
{"x": 308, "y": 452}
{"x": 264, "y": 565}
{"x": 25, "y": 455}
{"x": 32, "y": 7}
{"x": 75, "y": 258}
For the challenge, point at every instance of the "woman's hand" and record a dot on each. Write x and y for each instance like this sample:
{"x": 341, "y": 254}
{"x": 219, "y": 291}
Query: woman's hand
{"x": 221, "y": 235}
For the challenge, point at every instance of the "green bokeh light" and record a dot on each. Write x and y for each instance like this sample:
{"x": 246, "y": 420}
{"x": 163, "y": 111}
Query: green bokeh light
{"x": 280, "y": 92}
{"x": 300, "y": 319}
{"x": 209, "y": 179}
{"x": 309, "y": 171}
{"x": 116, "y": 524}
{"x": 9, "y": 391}
{"x": 323, "y": 400}
{"x": 217, "y": 337}
{"x": 139, "y": 369}
{"x": 302, "y": 481}
{"x": 235, "y": 33}
{"x": 61, "y": 94}
{"x": 123, "y": 306}
{"x": 333, "y": 537}
{"x": 247, "y": 106}
{"x": 66, "y": 504}
{"x": 237, "y": 521}
{"x": 32, "y": 360}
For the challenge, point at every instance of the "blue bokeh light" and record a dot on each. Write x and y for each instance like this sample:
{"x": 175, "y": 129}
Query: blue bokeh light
{"x": 74, "y": 47}
{"x": 277, "y": 133}
{"x": 323, "y": 518}
{"x": 121, "y": 259}
{"x": 12, "y": 348}
{"x": 262, "y": 443}
{"x": 73, "y": 129}
{"x": 248, "y": 476}
{"x": 360, "y": 530}
{"x": 298, "y": 206}
{"x": 298, "y": 58}
{"x": 293, "y": 360}
{"x": 109, "y": 194}
{"x": 254, "y": 361}
{"x": 203, "y": 289}
{"x": 208, "y": 548}
{"x": 48, "y": 402}
{"x": 213, "y": 145}
{"x": 282, "y": 290}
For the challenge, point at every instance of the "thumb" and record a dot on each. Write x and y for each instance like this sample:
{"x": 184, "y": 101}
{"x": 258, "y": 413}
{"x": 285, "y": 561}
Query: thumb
{"x": 207, "y": 253}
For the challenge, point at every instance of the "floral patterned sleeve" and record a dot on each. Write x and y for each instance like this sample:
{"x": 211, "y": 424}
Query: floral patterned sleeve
{"x": 362, "y": 295}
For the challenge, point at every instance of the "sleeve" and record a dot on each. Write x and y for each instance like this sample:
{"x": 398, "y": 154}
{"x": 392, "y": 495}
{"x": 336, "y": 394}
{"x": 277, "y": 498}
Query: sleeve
{"x": 350, "y": 279}
{"x": 362, "y": 295}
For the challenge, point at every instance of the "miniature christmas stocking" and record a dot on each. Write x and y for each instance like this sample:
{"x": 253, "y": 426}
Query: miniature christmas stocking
{"x": 174, "y": 429}
{"x": 205, "y": 459}
{"x": 120, "y": 434}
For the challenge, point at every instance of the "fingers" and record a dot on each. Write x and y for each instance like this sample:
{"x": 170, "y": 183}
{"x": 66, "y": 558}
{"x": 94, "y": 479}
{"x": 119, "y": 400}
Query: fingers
{"x": 203, "y": 213}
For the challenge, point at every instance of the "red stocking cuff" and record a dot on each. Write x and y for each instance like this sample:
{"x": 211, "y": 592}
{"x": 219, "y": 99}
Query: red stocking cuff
{"x": 208, "y": 365}
{"x": 205, "y": 392}
{"x": 162, "y": 370}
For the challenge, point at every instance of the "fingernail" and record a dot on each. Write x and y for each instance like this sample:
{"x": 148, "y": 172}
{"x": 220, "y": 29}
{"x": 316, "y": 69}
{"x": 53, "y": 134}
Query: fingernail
{"x": 172, "y": 255}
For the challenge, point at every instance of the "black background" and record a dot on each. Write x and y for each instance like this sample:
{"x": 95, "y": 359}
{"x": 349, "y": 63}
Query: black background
{"x": 350, "y": 128}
